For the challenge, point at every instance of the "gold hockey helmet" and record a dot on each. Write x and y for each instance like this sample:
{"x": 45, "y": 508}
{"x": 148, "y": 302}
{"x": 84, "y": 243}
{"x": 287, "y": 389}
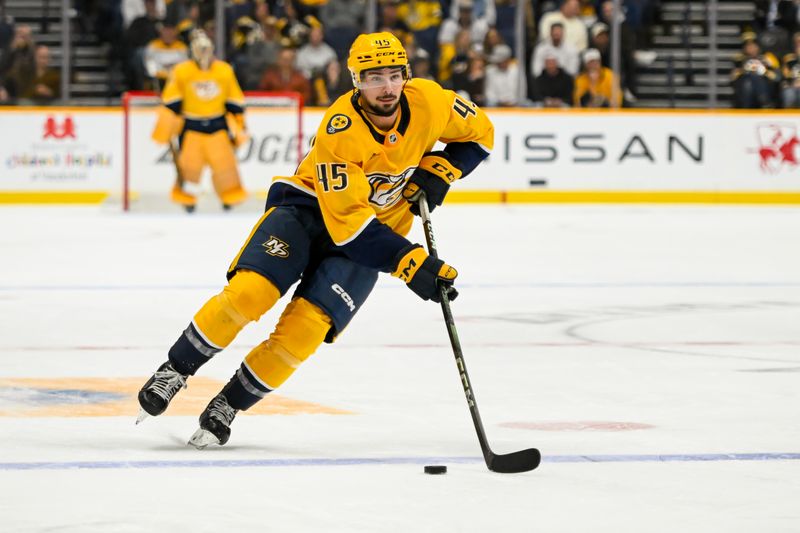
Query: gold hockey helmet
{"x": 376, "y": 50}
{"x": 202, "y": 48}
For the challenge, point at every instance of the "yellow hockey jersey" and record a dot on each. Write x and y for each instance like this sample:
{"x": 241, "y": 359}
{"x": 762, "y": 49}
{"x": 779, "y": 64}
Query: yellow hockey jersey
{"x": 357, "y": 172}
{"x": 203, "y": 94}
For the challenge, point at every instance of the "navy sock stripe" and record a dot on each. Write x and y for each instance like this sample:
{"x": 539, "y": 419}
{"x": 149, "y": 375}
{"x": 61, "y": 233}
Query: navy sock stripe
{"x": 251, "y": 383}
{"x": 244, "y": 390}
{"x": 196, "y": 340}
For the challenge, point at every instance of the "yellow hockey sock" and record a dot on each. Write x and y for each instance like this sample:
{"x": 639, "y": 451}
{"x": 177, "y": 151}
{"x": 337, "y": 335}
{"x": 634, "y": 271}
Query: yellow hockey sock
{"x": 299, "y": 332}
{"x": 247, "y": 296}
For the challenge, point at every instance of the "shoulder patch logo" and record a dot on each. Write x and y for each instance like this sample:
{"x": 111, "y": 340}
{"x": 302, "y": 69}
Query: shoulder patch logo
{"x": 337, "y": 123}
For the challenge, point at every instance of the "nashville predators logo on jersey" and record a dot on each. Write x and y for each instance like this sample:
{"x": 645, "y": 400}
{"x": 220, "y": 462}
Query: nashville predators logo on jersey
{"x": 206, "y": 90}
{"x": 276, "y": 247}
{"x": 337, "y": 123}
{"x": 386, "y": 189}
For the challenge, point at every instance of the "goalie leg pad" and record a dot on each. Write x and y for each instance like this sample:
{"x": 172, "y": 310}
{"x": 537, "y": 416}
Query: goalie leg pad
{"x": 300, "y": 331}
{"x": 191, "y": 157}
{"x": 224, "y": 172}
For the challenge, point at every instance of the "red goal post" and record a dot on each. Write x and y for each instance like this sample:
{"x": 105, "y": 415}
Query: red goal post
{"x": 276, "y": 146}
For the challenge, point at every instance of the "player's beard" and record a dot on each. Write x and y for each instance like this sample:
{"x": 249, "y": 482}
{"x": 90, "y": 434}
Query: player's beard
{"x": 382, "y": 109}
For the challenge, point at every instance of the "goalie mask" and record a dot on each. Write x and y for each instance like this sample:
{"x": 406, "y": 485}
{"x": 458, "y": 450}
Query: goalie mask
{"x": 376, "y": 51}
{"x": 202, "y": 49}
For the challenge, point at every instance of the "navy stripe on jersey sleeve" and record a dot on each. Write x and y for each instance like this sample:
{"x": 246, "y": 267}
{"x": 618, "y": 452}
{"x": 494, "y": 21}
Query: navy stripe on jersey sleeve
{"x": 466, "y": 155}
{"x": 175, "y": 106}
{"x": 377, "y": 246}
{"x": 236, "y": 109}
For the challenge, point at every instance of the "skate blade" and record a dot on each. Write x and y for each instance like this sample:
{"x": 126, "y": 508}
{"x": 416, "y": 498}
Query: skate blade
{"x": 142, "y": 415}
{"x": 203, "y": 438}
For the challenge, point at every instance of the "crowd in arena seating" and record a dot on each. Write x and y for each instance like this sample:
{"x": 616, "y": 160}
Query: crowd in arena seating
{"x": 466, "y": 45}
{"x": 301, "y": 45}
{"x": 25, "y": 71}
{"x": 766, "y": 74}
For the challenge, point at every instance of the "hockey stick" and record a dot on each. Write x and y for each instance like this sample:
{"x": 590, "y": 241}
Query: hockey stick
{"x": 512, "y": 463}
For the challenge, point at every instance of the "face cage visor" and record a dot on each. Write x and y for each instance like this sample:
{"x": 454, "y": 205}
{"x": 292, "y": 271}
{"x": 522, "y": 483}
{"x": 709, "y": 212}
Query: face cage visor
{"x": 379, "y": 78}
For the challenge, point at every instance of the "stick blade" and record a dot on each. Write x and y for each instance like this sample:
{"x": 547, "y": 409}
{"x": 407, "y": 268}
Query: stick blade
{"x": 514, "y": 463}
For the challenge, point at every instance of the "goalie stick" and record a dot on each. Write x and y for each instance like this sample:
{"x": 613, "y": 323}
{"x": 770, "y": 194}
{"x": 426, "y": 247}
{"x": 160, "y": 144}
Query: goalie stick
{"x": 511, "y": 463}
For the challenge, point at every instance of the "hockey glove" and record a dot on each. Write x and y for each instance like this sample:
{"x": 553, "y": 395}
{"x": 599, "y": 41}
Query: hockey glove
{"x": 424, "y": 275}
{"x": 433, "y": 177}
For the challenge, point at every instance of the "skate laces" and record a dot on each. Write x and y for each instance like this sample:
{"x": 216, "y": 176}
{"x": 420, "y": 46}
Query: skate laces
{"x": 221, "y": 410}
{"x": 167, "y": 382}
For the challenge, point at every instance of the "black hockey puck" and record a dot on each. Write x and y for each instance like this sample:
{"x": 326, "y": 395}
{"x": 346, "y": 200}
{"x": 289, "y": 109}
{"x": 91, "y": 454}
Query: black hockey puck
{"x": 435, "y": 469}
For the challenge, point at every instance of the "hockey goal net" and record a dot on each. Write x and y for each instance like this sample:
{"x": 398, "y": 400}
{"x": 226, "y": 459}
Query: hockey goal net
{"x": 276, "y": 146}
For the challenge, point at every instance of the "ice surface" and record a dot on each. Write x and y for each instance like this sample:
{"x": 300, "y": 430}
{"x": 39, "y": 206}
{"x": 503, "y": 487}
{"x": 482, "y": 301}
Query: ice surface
{"x": 651, "y": 353}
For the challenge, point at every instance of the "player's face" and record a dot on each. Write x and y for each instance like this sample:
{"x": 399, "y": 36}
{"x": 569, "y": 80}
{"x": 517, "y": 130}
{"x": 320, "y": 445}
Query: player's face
{"x": 381, "y": 89}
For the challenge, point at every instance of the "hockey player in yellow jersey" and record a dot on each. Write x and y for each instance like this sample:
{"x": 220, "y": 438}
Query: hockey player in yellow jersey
{"x": 334, "y": 225}
{"x": 204, "y": 108}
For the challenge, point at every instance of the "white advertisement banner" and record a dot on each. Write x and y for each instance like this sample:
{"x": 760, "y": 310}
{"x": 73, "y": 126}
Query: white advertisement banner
{"x": 60, "y": 149}
{"x": 73, "y": 149}
{"x": 643, "y": 151}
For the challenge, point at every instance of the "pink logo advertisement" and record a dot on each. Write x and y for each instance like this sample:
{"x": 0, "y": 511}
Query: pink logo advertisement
{"x": 777, "y": 147}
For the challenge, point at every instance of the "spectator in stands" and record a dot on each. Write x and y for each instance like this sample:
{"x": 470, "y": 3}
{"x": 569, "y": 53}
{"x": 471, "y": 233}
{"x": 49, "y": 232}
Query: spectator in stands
{"x": 502, "y": 78}
{"x": 638, "y": 17}
{"x": 596, "y": 85}
{"x": 343, "y": 21}
{"x": 465, "y": 20}
{"x": 776, "y": 21}
{"x": 554, "y": 87}
{"x": 259, "y": 51}
{"x": 141, "y": 31}
{"x": 601, "y": 40}
{"x": 6, "y": 31}
{"x": 164, "y": 53}
{"x": 178, "y": 10}
{"x": 776, "y": 13}
{"x": 133, "y": 9}
{"x": 481, "y": 9}
{"x": 309, "y": 8}
{"x": 331, "y": 84}
{"x": 474, "y": 87}
{"x": 790, "y": 86}
{"x": 20, "y": 59}
{"x": 754, "y": 76}
{"x": 421, "y": 66}
{"x": 475, "y": 28}
{"x": 44, "y": 86}
{"x": 567, "y": 55}
{"x": 390, "y": 21}
{"x": 313, "y": 58}
{"x": 197, "y": 17}
{"x": 423, "y": 17}
{"x": 587, "y": 12}
{"x": 295, "y": 29}
{"x": 103, "y": 19}
{"x": 284, "y": 76}
{"x": 492, "y": 39}
{"x": 454, "y": 60}
{"x": 575, "y": 31}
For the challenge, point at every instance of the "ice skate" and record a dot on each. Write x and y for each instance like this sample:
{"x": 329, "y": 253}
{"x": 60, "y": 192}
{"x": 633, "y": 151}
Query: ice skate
{"x": 155, "y": 395}
{"x": 215, "y": 423}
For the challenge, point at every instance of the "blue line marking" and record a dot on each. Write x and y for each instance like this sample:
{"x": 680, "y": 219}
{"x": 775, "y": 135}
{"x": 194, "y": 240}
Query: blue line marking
{"x": 240, "y": 463}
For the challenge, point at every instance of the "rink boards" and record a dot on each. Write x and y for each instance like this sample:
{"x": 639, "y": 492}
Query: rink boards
{"x": 68, "y": 155}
